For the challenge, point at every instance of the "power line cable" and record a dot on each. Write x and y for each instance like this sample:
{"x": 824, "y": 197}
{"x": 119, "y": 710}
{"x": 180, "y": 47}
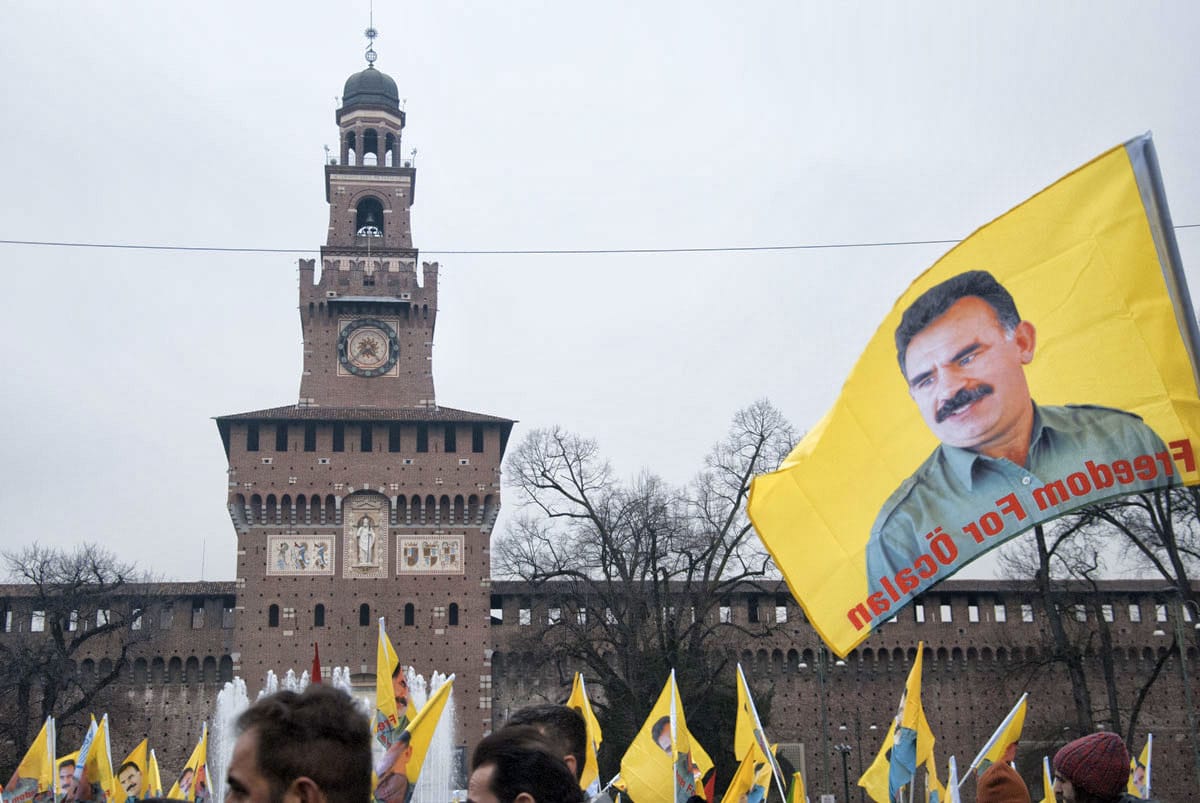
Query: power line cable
{"x": 510, "y": 252}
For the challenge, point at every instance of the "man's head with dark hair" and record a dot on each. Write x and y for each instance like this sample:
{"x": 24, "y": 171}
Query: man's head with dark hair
{"x": 563, "y": 727}
{"x": 660, "y": 732}
{"x": 129, "y": 775}
{"x": 315, "y": 746}
{"x": 963, "y": 348}
{"x": 934, "y": 302}
{"x": 517, "y": 764}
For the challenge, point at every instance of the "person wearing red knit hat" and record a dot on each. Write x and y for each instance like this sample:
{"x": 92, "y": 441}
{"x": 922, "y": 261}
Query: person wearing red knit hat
{"x": 1093, "y": 769}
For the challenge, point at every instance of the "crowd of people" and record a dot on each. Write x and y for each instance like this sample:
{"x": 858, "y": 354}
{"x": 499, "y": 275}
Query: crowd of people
{"x": 314, "y": 747}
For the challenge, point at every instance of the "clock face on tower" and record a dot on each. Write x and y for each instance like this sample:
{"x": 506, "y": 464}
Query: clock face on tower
{"x": 367, "y": 347}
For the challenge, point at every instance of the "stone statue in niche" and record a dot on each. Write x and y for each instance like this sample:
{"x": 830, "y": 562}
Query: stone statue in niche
{"x": 365, "y": 538}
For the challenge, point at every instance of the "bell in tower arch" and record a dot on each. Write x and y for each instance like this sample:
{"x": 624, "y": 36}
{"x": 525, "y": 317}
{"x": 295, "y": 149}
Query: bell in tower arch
{"x": 369, "y": 218}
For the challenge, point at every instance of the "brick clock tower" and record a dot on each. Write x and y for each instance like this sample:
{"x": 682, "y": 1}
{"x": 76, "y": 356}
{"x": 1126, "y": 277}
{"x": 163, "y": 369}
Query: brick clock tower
{"x": 366, "y": 498}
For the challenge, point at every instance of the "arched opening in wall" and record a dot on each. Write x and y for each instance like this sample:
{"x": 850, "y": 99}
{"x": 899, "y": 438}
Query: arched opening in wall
{"x": 286, "y": 510}
{"x": 777, "y": 665}
{"x": 430, "y": 511}
{"x": 141, "y": 671}
{"x": 210, "y": 669}
{"x": 158, "y": 671}
{"x": 390, "y": 158}
{"x": 401, "y": 507}
{"x": 364, "y": 615}
{"x": 747, "y": 661}
{"x": 332, "y": 514}
{"x": 175, "y": 670}
{"x": 987, "y": 655}
{"x": 489, "y": 509}
{"x": 302, "y": 509}
{"x": 316, "y": 513}
{"x": 191, "y": 670}
{"x": 239, "y": 508}
{"x": 473, "y": 508}
{"x": 370, "y": 148}
{"x": 105, "y": 669}
{"x": 351, "y": 150}
{"x": 498, "y": 664}
{"x": 762, "y": 663}
{"x": 956, "y": 654}
{"x": 806, "y": 657}
{"x": 883, "y": 659}
{"x": 928, "y": 656}
{"x": 225, "y": 669}
{"x": 793, "y": 658}
{"x": 410, "y": 614}
{"x": 256, "y": 509}
{"x": 972, "y": 655}
{"x": 318, "y": 615}
{"x": 460, "y": 509}
{"x": 87, "y": 672}
{"x": 272, "y": 511}
{"x": 418, "y": 510}
{"x": 368, "y": 217}
{"x": 898, "y": 654}
{"x": 1031, "y": 654}
{"x": 452, "y": 614}
{"x": 1001, "y": 655}
{"x": 273, "y": 616}
{"x": 443, "y": 508}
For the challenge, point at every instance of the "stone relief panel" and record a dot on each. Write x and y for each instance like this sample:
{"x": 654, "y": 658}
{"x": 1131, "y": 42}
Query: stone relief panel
{"x": 365, "y": 536}
{"x": 291, "y": 555}
{"x": 429, "y": 554}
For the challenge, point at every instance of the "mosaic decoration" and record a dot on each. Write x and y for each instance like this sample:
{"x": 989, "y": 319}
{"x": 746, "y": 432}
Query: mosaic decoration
{"x": 440, "y": 554}
{"x": 364, "y": 536}
{"x": 291, "y": 555}
{"x": 368, "y": 347}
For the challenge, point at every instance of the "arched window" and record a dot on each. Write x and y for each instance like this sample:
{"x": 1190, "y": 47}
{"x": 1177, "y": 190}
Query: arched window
{"x": 319, "y": 615}
{"x": 225, "y": 668}
{"x": 368, "y": 218}
{"x": 452, "y": 614}
{"x": 174, "y": 670}
{"x": 364, "y": 615}
{"x": 273, "y": 616}
{"x": 410, "y": 614}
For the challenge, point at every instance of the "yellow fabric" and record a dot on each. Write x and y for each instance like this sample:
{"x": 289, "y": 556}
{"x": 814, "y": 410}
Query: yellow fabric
{"x": 153, "y": 781}
{"x": 98, "y": 768}
{"x": 1011, "y": 733}
{"x": 648, "y": 770}
{"x": 1048, "y": 795}
{"x": 932, "y": 783}
{"x": 423, "y": 725}
{"x": 38, "y": 764}
{"x": 1144, "y": 760}
{"x": 875, "y": 779}
{"x": 386, "y": 662}
{"x": 913, "y": 714}
{"x": 1081, "y": 261}
{"x": 140, "y": 755}
{"x": 796, "y": 792}
{"x": 197, "y": 761}
{"x": 743, "y": 779}
{"x": 580, "y": 702}
{"x": 73, "y": 758}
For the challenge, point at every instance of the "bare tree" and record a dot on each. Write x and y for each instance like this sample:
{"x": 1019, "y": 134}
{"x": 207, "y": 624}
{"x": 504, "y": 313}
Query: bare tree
{"x": 642, "y": 569}
{"x": 79, "y": 604}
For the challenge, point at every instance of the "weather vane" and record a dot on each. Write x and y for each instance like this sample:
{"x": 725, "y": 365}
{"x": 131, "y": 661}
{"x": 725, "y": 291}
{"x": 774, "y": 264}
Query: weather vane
{"x": 371, "y": 33}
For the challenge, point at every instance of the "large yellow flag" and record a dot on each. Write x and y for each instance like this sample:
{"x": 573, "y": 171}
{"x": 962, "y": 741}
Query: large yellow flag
{"x": 580, "y": 702}
{"x": 97, "y": 767}
{"x": 874, "y": 779}
{"x": 1046, "y": 362}
{"x": 66, "y": 777}
{"x": 34, "y": 778}
{"x": 193, "y": 771}
{"x": 154, "y": 787}
{"x": 664, "y": 764}
{"x": 1002, "y": 746}
{"x": 133, "y": 773}
{"x": 400, "y": 766}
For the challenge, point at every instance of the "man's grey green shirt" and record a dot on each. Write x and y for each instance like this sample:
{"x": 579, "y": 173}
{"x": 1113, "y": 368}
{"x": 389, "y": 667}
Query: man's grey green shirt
{"x": 954, "y": 487}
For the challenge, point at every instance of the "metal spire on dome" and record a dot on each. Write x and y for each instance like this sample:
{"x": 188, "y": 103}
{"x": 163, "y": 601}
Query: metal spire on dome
{"x": 371, "y": 33}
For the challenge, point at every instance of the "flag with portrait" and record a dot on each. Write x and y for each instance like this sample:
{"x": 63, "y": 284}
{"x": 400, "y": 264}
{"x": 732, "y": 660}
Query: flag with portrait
{"x": 1044, "y": 363}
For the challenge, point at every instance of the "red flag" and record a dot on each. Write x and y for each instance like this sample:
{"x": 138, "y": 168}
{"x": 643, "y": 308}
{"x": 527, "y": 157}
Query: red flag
{"x": 710, "y": 786}
{"x": 315, "y": 675}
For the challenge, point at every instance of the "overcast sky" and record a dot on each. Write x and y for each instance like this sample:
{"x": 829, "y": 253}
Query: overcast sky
{"x": 538, "y": 126}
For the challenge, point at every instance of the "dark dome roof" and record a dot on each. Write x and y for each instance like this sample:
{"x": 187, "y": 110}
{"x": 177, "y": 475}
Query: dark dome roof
{"x": 370, "y": 88}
